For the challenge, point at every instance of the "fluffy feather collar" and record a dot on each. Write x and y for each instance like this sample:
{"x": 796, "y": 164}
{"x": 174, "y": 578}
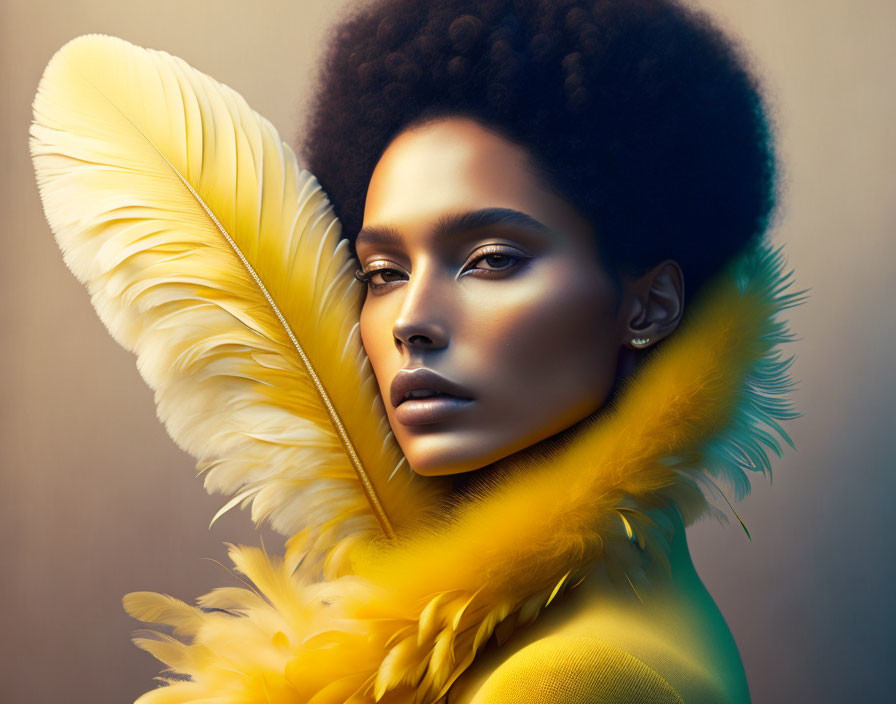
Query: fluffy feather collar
{"x": 234, "y": 298}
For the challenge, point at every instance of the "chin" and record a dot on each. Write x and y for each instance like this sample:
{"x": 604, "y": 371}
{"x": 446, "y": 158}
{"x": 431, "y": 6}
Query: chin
{"x": 440, "y": 465}
{"x": 436, "y": 455}
{"x": 433, "y": 454}
{"x": 441, "y": 454}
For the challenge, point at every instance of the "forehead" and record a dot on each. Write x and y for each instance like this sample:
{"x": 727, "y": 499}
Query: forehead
{"x": 454, "y": 165}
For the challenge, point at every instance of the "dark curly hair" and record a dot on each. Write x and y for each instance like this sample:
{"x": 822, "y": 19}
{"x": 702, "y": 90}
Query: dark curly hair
{"x": 640, "y": 113}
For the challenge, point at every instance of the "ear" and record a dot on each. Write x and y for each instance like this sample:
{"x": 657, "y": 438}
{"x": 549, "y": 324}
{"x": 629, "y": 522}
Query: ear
{"x": 653, "y": 305}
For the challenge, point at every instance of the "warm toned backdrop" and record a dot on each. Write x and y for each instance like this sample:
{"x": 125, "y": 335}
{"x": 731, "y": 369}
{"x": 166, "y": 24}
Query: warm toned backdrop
{"x": 96, "y": 501}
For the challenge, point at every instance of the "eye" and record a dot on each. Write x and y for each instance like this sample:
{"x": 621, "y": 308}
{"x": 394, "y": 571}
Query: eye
{"x": 379, "y": 277}
{"x": 498, "y": 260}
{"x": 495, "y": 260}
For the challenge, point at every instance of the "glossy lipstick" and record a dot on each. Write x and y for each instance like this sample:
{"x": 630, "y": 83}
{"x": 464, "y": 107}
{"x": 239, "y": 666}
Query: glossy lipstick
{"x": 421, "y": 397}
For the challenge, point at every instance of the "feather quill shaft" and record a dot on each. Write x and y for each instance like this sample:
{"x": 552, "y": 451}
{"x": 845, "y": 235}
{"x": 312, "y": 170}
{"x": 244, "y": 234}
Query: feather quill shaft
{"x": 369, "y": 491}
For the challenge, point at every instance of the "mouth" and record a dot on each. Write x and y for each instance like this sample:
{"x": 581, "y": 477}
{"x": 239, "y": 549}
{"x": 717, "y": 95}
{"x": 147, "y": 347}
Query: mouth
{"x": 421, "y": 397}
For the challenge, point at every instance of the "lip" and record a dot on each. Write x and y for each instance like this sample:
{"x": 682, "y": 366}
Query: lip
{"x": 423, "y": 411}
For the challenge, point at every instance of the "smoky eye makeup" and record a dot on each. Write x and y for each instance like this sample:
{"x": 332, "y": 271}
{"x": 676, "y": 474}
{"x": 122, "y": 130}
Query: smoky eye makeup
{"x": 495, "y": 250}
{"x": 495, "y": 260}
{"x": 380, "y": 274}
{"x": 487, "y": 261}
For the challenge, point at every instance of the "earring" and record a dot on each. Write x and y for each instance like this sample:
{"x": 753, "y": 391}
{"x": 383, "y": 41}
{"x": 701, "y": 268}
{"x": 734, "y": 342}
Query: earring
{"x": 640, "y": 341}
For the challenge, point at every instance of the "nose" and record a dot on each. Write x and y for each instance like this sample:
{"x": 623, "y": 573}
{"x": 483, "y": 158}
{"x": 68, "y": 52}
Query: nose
{"x": 419, "y": 335}
{"x": 421, "y": 323}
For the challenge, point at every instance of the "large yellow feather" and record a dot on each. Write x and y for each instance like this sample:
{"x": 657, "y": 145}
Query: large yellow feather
{"x": 213, "y": 256}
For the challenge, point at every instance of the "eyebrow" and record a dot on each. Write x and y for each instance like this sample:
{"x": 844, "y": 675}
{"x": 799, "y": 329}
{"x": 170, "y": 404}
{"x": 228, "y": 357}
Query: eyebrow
{"x": 453, "y": 223}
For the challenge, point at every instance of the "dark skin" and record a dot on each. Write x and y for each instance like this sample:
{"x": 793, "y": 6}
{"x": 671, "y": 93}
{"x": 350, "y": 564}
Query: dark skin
{"x": 512, "y": 305}
{"x": 527, "y": 320}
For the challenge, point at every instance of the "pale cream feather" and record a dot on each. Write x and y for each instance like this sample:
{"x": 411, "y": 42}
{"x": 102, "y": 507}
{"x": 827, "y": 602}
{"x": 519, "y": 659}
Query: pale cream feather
{"x": 213, "y": 256}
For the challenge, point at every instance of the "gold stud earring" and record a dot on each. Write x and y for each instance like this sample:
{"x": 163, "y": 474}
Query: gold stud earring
{"x": 640, "y": 341}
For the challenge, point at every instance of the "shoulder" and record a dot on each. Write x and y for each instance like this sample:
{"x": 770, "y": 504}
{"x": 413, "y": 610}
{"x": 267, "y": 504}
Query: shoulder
{"x": 575, "y": 670}
{"x": 578, "y": 669}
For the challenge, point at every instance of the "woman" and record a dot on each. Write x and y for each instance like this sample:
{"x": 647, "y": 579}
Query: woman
{"x": 528, "y": 189}
{"x": 488, "y": 339}
{"x": 601, "y": 157}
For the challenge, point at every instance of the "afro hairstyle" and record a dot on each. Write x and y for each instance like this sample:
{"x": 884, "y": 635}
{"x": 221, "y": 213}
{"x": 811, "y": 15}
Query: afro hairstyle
{"x": 642, "y": 114}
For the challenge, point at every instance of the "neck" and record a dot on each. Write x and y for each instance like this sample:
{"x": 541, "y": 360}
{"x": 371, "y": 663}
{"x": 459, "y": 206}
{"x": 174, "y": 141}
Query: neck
{"x": 658, "y": 577}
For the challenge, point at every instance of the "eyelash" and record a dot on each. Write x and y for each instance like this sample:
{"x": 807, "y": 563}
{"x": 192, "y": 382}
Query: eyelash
{"x": 519, "y": 259}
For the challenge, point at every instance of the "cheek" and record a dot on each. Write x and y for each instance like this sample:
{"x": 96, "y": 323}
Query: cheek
{"x": 551, "y": 343}
{"x": 376, "y": 337}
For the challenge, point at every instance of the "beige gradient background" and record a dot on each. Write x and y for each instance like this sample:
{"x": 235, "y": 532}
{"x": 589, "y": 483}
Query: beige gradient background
{"x": 96, "y": 501}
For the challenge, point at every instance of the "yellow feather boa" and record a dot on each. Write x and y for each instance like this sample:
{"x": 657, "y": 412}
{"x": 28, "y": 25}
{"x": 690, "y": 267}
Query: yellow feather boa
{"x": 406, "y": 618}
{"x": 235, "y": 297}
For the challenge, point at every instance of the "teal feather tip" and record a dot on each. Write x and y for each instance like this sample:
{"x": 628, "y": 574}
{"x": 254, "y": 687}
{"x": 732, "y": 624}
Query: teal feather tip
{"x": 754, "y": 429}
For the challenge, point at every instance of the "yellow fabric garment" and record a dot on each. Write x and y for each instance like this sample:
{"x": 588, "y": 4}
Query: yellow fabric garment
{"x": 573, "y": 671}
{"x": 668, "y": 644}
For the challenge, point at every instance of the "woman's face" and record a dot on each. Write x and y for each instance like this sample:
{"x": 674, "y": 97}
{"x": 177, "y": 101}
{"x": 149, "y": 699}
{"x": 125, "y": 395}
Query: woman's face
{"x": 489, "y": 320}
